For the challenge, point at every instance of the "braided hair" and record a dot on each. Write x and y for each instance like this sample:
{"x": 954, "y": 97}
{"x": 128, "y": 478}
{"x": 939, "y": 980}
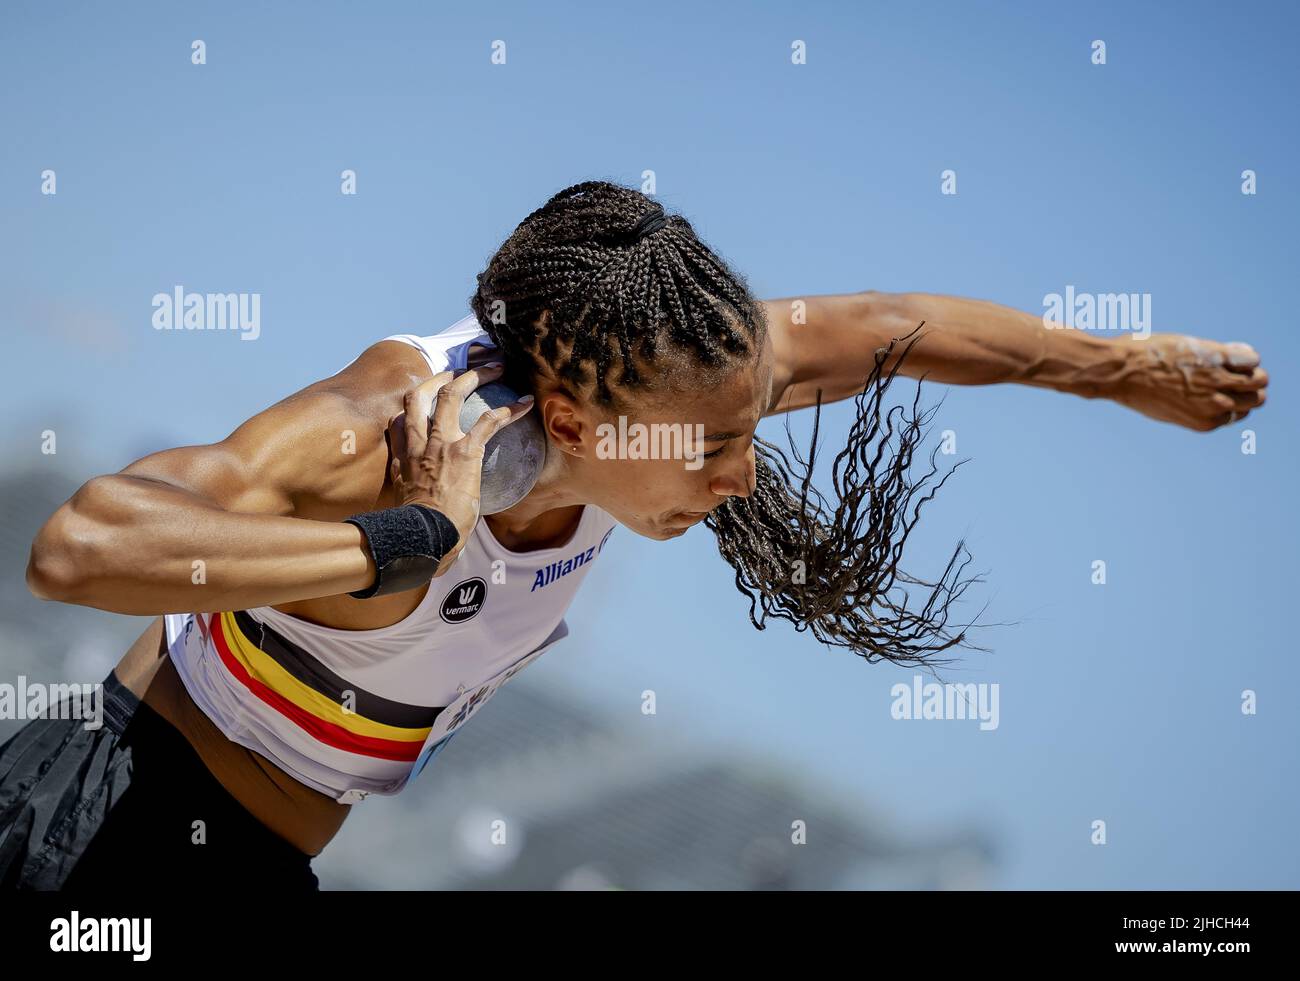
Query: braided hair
{"x": 602, "y": 291}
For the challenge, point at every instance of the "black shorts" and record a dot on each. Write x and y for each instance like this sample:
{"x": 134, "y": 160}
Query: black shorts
{"x": 129, "y": 806}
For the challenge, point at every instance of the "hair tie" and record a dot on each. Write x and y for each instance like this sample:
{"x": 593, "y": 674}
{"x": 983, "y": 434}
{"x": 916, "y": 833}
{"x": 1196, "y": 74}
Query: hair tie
{"x": 652, "y": 221}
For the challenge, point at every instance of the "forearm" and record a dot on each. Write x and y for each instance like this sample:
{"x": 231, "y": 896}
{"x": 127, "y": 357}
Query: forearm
{"x": 141, "y": 547}
{"x": 976, "y": 342}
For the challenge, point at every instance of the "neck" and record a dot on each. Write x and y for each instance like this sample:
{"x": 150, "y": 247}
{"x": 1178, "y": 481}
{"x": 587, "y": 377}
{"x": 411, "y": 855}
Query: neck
{"x": 544, "y": 513}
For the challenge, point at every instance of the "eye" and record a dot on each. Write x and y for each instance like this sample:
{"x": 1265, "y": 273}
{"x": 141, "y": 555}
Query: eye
{"x": 706, "y": 456}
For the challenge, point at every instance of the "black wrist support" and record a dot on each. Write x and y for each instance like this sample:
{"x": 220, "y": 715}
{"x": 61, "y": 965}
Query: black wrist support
{"x": 407, "y": 543}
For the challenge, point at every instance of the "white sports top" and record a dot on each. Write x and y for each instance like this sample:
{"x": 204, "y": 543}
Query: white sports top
{"x": 355, "y": 712}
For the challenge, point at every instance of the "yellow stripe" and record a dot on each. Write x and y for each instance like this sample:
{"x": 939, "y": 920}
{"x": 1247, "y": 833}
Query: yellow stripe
{"x": 268, "y": 671}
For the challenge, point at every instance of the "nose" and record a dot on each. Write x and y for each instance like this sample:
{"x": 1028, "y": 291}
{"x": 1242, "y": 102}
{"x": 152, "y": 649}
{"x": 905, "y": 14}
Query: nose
{"x": 738, "y": 480}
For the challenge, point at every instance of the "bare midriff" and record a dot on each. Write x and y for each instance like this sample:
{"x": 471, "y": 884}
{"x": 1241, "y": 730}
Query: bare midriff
{"x": 304, "y": 817}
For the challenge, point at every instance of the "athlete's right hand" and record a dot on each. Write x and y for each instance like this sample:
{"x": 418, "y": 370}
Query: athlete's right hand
{"x": 432, "y": 461}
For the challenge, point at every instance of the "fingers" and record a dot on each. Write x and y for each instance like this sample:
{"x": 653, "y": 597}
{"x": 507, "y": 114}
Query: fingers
{"x": 1245, "y": 401}
{"x": 490, "y": 423}
{"x": 1240, "y": 357}
{"x": 1242, "y": 383}
{"x": 446, "y": 413}
{"x": 1233, "y": 408}
{"x": 1236, "y": 381}
{"x": 1240, "y": 402}
{"x": 1241, "y": 389}
{"x": 417, "y": 403}
{"x": 1222, "y": 402}
{"x": 434, "y": 408}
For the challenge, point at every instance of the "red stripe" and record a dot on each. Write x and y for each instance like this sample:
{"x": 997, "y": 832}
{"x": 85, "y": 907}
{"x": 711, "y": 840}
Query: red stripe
{"x": 327, "y": 732}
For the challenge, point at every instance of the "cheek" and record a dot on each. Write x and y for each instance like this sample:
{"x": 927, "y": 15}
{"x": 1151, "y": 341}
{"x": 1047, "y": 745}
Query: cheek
{"x": 653, "y": 487}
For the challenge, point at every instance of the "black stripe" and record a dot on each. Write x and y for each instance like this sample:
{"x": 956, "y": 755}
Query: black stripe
{"x": 307, "y": 669}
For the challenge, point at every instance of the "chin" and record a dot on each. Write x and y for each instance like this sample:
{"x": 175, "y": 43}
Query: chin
{"x": 664, "y": 533}
{"x": 662, "y": 530}
{"x": 661, "y": 533}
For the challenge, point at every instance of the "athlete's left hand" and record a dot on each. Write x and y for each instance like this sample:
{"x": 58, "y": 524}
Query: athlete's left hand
{"x": 1192, "y": 382}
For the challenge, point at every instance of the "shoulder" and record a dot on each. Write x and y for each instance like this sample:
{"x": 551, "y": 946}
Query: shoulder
{"x": 324, "y": 446}
{"x": 381, "y": 365}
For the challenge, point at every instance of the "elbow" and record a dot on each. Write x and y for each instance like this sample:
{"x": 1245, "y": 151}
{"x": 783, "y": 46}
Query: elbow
{"x": 880, "y": 311}
{"x": 51, "y": 574}
{"x": 64, "y": 554}
{"x": 42, "y": 577}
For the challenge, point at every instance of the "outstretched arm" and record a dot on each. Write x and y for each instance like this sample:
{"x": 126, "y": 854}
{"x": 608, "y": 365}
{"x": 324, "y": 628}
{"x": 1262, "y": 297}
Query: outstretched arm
{"x": 1175, "y": 378}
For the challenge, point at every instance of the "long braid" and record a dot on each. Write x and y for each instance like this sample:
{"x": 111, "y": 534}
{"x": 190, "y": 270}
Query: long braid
{"x": 574, "y": 292}
{"x": 833, "y": 569}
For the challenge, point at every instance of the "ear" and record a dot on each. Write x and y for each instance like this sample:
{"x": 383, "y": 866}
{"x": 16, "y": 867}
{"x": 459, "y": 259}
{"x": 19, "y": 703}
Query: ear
{"x": 568, "y": 423}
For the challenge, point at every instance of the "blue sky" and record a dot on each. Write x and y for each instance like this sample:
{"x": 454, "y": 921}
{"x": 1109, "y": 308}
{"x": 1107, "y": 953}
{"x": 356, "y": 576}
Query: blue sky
{"x": 1118, "y": 702}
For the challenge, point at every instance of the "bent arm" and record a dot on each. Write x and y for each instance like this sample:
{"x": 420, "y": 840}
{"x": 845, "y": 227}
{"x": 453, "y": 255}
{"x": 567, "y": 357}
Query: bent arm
{"x": 140, "y": 545}
{"x": 207, "y": 528}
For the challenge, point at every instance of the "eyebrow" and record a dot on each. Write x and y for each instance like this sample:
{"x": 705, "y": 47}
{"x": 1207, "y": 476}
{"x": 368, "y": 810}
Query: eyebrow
{"x": 719, "y": 437}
